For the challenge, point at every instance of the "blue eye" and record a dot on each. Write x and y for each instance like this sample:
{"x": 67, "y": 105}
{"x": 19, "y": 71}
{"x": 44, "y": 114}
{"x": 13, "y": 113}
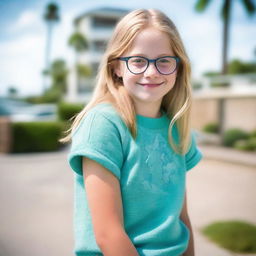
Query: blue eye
{"x": 164, "y": 60}
{"x": 138, "y": 60}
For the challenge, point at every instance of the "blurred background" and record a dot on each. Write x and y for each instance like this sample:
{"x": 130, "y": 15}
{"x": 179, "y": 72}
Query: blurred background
{"x": 49, "y": 56}
{"x": 50, "y": 52}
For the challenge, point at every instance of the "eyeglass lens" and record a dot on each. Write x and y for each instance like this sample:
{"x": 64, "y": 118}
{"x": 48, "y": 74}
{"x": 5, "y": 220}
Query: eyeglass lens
{"x": 165, "y": 65}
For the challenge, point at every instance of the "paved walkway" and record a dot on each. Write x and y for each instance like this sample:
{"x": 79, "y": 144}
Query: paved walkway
{"x": 229, "y": 155}
{"x": 221, "y": 187}
{"x": 36, "y": 193}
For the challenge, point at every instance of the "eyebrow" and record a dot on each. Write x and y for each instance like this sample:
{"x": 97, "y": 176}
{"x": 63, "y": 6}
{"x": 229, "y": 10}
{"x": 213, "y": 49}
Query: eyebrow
{"x": 160, "y": 55}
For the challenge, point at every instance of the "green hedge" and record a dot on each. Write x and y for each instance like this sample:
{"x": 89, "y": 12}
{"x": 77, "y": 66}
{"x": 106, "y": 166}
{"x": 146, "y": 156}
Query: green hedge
{"x": 233, "y": 135}
{"x": 246, "y": 145}
{"x": 68, "y": 110}
{"x": 211, "y": 128}
{"x": 36, "y": 136}
{"x": 236, "y": 236}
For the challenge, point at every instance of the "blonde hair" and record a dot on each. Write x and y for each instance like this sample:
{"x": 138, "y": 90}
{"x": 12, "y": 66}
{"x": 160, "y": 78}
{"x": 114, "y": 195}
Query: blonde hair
{"x": 176, "y": 103}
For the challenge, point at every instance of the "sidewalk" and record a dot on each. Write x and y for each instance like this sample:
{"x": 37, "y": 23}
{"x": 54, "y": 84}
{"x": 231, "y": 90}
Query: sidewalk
{"x": 229, "y": 155}
{"x": 224, "y": 185}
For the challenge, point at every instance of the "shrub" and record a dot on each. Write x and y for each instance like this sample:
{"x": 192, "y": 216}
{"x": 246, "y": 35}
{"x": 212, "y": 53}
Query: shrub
{"x": 252, "y": 143}
{"x": 36, "y": 136}
{"x": 248, "y": 145}
{"x": 220, "y": 84}
{"x": 242, "y": 145}
{"x": 236, "y": 236}
{"x": 211, "y": 128}
{"x": 233, "y": 135}
{"x": 68, "y": 110}
{"x": 53, "y": 95}
{"x": 253, "y": 134}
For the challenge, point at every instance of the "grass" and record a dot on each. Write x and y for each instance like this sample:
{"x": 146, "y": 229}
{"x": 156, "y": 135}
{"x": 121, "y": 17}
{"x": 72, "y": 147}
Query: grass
{"x": 236, "y": 236}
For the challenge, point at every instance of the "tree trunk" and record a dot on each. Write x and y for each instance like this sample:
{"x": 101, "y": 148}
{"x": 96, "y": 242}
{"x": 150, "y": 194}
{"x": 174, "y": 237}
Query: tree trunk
{"x": 226, "y": 23}
{"x": 47, "y": 55}
{"x": 224, "y": 69}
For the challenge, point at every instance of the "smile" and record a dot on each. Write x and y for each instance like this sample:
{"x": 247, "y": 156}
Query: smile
{"x": 151, "y": 85}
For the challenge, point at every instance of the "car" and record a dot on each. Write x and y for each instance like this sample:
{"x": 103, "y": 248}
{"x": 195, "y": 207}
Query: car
{"x": 21, "y": 111}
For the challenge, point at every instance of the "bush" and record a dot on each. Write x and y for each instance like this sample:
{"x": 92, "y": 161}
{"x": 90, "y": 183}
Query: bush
{"x": 36, "y": 136}
{"x": 236, "y": 236}
{"x": 248, "y": 145}
{"x": 252, "y": 143}
{"x": 253, "y": 134}
{"x": 238, "y": 67}
{"x": 53, "y": 95}
{"x": 231, "y": 136}
{"x": 220, "y": 84}
{"x": 68, "y": 110}
{"x": 242, "y": 145}
{"x": 211, "y": 128}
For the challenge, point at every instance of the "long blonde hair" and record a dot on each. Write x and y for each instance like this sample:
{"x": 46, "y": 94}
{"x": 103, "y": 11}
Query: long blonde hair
{"x": 175, "y": 103}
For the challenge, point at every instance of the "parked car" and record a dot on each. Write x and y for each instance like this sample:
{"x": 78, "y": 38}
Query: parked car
{"x": 18, "y": 110}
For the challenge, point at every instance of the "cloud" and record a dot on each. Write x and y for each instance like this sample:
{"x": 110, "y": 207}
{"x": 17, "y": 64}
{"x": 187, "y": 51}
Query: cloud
{"x": 21, "y": 64}
{"x": 27, "y": 20}
{"x": 27, "y": 44}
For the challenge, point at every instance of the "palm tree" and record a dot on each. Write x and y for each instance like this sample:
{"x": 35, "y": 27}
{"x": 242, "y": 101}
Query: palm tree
{"x": 80, "y": 44}
{"x": 226, "y": 10}
{"x": 51, "y": 16}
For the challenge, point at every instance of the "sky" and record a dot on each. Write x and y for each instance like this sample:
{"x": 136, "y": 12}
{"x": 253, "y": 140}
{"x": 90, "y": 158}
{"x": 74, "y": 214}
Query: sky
{"x": 23, "y": 36}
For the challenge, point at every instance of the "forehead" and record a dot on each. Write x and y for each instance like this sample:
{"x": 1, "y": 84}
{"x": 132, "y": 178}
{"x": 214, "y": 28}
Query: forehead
{"x": 151, "y": 43}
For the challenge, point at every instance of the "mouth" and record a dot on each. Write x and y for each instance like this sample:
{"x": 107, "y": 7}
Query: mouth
{"x": 151, "y": 85}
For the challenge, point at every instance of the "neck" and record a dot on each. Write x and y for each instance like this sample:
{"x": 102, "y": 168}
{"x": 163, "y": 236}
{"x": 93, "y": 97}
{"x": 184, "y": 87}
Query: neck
{"x": 148, "y": 110}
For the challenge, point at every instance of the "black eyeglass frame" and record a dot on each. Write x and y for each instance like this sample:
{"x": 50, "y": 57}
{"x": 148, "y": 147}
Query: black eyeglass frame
{"x": 126, "y": 59}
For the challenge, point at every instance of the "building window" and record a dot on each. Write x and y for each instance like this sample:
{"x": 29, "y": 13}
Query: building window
{"x": 99, "y": 45}
{"x": 103, "y": 22}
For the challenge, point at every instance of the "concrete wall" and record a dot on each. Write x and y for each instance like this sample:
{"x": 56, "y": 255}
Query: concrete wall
{"x": 204, "y": 111}
{"x": 240, "y": 112}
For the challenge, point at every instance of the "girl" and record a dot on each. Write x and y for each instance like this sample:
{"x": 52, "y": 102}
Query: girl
{"x": 132, "y": 145}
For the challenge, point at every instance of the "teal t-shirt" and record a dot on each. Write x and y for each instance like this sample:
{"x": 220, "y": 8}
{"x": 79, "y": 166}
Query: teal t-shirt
{"x": 151, "y": 176}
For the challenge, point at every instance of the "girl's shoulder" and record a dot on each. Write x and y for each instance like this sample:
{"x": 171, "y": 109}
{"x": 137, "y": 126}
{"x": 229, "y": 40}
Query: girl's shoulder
{"x": 103, "y": 114}
{"x": 105, "y": 110}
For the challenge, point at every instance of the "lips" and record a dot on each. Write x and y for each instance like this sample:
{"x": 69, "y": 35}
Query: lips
{"x": 151, "y": 85}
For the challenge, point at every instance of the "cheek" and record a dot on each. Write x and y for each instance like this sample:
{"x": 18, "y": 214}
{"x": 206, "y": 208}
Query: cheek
{"x": 171, "y": 82}
{"x": 128, "y": 78}
{"x": 172, "y": 78}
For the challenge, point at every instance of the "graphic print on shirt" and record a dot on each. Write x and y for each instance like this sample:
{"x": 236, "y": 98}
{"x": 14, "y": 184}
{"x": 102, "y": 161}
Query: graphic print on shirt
{"x": 162, "y": 166}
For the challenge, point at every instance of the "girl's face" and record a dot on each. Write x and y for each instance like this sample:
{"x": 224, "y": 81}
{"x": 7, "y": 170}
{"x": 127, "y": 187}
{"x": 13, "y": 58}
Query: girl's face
{"x": 148, "y": 89}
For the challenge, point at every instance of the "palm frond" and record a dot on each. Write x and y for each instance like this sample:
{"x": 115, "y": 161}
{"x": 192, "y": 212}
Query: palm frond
{"x": 201, "y": 5}
{"x": 250, "y": 6}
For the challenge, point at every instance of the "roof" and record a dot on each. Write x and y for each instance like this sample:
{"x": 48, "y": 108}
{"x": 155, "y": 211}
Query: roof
{"x": 103, "y": 11}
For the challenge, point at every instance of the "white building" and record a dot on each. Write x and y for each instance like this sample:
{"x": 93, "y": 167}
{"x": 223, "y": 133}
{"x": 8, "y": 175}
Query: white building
{"x": 97, "y": 26}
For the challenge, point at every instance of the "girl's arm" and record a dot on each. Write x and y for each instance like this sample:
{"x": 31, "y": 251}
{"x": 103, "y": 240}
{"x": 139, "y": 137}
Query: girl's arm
{"x": 105, "y": 203}
{"x": 185, "y": 218}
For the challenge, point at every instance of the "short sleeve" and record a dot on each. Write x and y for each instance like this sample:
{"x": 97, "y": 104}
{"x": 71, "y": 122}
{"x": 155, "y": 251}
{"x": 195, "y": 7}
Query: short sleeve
{"x": 194, "y": 155}
{"x": 98, "y": 139}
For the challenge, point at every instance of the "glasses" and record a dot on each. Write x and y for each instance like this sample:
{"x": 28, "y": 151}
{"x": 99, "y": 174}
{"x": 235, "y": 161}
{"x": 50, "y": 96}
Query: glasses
{"x": 137, "y": 64}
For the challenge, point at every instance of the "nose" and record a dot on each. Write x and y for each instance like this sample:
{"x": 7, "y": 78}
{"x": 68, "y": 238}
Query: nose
{"x": 151, "y": 70}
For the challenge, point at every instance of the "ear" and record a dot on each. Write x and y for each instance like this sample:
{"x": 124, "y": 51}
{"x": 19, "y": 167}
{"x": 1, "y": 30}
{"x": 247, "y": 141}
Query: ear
{"x": 118, "y": 70}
